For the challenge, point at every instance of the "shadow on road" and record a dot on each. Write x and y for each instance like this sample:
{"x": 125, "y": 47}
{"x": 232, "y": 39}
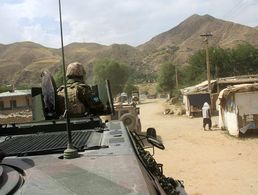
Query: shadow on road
{"x": 250, "y": 134}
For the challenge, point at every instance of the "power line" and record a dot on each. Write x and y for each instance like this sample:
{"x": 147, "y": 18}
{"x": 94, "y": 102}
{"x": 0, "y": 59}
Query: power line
{"x": 240, "y": 6}
{"x": 233, "y": 9}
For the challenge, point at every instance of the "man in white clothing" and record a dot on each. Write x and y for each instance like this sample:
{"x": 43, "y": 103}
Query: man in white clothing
{"x": 206, "y": 115}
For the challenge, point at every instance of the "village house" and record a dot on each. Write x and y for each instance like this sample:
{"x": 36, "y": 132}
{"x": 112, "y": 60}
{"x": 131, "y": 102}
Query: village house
{"x": 195, "y": 96}
{"x": 238, "y": 108}
{"x": 16, "y": 100}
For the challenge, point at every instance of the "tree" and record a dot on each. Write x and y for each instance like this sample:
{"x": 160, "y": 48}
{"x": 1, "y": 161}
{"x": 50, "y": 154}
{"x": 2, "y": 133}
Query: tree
{"x": 244, "y": 59}
{"x": 23, "y": 86}
{"x": 58, "y": 77}
{"x": 129, "y": 88}
{"x": 197, "y": 70}
{"x": 113, "y": 71}
{"x": 166, "y": 78}
{"x": 220, "y": 62}
{"x": 4, "y": 88}
{"x": 240, "y": 60}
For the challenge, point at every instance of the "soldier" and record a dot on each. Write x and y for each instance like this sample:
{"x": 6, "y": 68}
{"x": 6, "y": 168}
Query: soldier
{"x": 81, "y": 99}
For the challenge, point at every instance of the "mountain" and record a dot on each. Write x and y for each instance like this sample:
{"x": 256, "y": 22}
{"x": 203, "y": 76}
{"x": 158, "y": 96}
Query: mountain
{"x": 22, "y": 63}
{"x": 87, "y": 53}
{"x": 184, "y": 39}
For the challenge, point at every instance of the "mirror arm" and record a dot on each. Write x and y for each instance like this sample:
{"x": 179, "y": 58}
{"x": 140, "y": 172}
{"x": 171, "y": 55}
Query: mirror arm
{"x": 153, "y": 151}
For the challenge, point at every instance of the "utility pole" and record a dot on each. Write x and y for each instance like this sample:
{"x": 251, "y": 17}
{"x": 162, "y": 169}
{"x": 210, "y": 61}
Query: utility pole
{"x": 171, "y": 59}
{"x": 176, "y": 78}
{"x": 206, "y": 40}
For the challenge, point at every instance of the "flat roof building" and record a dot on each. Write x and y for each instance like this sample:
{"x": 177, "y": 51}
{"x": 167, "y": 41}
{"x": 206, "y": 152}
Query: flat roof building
{"x": 15, "y": 100}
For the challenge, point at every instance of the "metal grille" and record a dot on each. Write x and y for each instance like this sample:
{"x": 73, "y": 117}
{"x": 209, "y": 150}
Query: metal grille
{"x": 43, "y": 143}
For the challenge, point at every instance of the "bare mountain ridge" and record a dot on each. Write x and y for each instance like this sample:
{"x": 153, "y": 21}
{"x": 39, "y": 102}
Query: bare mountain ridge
{"x": 23, "y": 62}
{"x": 19, "y": 61}
{"x": 185, "y": 38}
{"x": 87, "y": 53}
{"x": 224, "y": 33}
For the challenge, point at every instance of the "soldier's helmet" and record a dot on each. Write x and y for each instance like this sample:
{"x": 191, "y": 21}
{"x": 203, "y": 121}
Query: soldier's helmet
{"x": 75, "y": 69}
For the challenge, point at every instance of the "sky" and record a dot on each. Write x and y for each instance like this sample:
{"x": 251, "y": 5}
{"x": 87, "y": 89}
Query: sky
{"x": 132, "y": 22}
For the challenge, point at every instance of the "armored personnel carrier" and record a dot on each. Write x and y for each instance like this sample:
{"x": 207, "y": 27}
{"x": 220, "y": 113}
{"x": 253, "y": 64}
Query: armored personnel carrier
{"x": 111, "y": 159}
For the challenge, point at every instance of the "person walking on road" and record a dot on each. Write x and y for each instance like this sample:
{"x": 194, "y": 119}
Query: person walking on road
{"x": 206, "y": 115}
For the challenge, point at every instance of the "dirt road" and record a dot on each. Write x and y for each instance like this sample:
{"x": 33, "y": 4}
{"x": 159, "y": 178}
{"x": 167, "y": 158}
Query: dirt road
{"x": 209, "y": 162}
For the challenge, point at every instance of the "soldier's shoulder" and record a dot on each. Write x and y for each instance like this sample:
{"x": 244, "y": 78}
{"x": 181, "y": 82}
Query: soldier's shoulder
{"x": 83, "y": 85}
{"x": 60, "y": 88}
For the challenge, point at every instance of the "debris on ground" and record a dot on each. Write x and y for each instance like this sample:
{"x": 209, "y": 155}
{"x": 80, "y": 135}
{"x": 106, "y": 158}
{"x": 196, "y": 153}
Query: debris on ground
{"x": 17, "y": 117}
{"x": 173, "y": 107}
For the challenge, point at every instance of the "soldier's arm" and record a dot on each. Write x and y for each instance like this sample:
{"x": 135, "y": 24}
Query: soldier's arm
{"x": 91, "y": 101}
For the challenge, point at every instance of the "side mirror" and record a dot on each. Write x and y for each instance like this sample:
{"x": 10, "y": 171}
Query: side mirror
{"x": 152, "y": 138}
{"x": 155, "y": 143}
{"x": 151, "y": 132}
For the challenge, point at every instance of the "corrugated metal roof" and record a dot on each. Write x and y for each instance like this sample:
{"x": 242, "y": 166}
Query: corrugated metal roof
{"x": 203, "y": 86}
{"x": 239, "y": 79}
{"x": 237, "y": 88}
{"x": 15, "y": 93}
{"x": 199, "y": 88}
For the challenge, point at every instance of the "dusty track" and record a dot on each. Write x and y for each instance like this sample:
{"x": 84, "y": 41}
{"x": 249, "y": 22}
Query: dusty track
{"x": 209, "y": 162}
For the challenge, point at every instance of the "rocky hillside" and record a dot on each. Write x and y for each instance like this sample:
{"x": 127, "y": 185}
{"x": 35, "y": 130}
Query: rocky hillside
{"x": 183, "y": 40}
{"x": 87, "y": 53}
{"x": 22, "y": 63}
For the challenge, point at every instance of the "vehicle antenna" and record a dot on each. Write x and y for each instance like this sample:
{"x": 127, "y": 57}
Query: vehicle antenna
{"x": 70, "y": 151}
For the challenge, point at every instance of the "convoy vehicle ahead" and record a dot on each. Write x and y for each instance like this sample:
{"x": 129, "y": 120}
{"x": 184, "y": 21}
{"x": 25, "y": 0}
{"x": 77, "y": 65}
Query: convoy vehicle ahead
{"x": 136, "y": 97}
{"x": 129, "y": 115}
{"x": 127, "y": 111}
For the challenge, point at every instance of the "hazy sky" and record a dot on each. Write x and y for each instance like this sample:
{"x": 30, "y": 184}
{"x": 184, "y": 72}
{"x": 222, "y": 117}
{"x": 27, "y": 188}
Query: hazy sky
{"x": 110, "y": 21}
